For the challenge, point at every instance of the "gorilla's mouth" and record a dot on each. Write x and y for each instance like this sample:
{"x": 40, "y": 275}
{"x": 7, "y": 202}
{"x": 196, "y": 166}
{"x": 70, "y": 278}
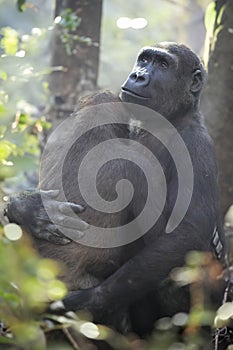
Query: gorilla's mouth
{"x": 134, "y": 94}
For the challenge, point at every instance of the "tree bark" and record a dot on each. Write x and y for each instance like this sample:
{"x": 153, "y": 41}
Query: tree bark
{"x": 75, "y": 64}
{"x": 218, "y": 99}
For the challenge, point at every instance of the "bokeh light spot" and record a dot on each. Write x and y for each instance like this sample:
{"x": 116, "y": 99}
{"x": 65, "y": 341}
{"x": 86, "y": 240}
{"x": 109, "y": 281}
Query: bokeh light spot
{"x": 90, "y": 330}
{"x": 13, "y": 232}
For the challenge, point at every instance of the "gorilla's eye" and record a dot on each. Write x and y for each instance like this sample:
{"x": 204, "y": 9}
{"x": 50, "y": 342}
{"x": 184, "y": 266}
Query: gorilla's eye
{"x": 163, "y": 64}
{"x": 144, "y": 59}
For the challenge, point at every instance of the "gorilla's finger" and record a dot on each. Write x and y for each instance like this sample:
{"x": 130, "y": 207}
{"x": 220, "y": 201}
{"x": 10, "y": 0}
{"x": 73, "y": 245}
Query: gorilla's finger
{"x": 71, "y": 233}
{"x": 62, "y": 240}
{"x": 70, "y": 222}
{"x": 65, "y": 208}
{"x": 49, "y": 236}
{"x": 50, "y": 193}
{"x": 53, "y": 229}
{"x": 49, "y": 232}
{"x": 54, "y": 236}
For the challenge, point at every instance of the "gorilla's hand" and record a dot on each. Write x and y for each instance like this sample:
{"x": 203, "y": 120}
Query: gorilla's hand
{"x": 86, "y": 299}
{"x": 27, "y": 210}
{"x": 75, "y": 300}
{"x": 92, "y": 300}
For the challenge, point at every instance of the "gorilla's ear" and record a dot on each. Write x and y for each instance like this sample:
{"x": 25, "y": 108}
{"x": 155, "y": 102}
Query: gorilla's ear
{"x": 197, "y": 81}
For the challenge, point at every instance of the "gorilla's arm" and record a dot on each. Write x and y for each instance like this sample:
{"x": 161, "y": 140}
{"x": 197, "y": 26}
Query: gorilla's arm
{"x": 27, "y": 210}
{"x": 163, "y": 251}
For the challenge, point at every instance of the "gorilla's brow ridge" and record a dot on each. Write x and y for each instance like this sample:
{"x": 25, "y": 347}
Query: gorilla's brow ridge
{"x": 159, "y": 53}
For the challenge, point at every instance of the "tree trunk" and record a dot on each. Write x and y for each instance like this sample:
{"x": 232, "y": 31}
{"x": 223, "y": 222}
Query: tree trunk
{"x": 218, "y": 99}
{"x": 75, "y": 54}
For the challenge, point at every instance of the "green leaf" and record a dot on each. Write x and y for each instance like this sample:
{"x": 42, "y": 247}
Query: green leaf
{"x": 10, "y": 41}
{"x": 210, "y": 17}
{"x": 23, "y": 119}
{"x": 6, "y": 172}
{"x": 2, "y": 109}
{"x": 3, "y": 75}
{"x": 221, "y": 12}
{"x": 6, "y": 148}
{"x": 21, "y": 5}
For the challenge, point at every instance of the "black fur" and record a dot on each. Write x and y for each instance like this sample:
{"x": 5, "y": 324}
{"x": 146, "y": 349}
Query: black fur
{"x": 167, "y": 78}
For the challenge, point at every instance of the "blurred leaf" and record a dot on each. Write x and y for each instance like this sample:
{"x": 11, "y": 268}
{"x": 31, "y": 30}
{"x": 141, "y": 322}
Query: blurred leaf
{"x": 9, "y": 41}
{"x": 23, "y": 118}
{"x": 70, "y": 21}
{"x": 2, "y": 109}
{"x": 6, "y": 148}
{"x": 30, "y": 336}
{"x": 224, "y": 313}
{"x": 21, "y": 5}
{"x": 184, "y": 275}
{"x": 200, "y": 317}
{"x": 221, "y": 12}
{"x": 210, "y": 17}
{"x": 6, "y": 171}
{"x": 24, "y": 290}
{"x": 229, "y": 217}
{"x": 3, "y": 75}
{"x": 42, "y": 124}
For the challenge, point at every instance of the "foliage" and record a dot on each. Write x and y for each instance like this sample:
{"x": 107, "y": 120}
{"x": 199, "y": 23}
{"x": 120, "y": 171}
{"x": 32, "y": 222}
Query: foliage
{"x": 27, "y": 283}
{"x": 210, "y": 18}
{"x": 213, "y": 24}
{"x": 25, "y": 287}
{"x": 69, "y": 22}
{"x": 21, "y": 119}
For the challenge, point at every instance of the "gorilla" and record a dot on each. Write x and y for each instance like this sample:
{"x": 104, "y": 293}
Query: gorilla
{"x": 129, "y": 286}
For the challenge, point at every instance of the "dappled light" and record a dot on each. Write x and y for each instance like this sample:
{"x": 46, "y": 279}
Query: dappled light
{"x": 13, "y": 232}
{"x": 135, "y": 23}
{"x": 90, "y": 330}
